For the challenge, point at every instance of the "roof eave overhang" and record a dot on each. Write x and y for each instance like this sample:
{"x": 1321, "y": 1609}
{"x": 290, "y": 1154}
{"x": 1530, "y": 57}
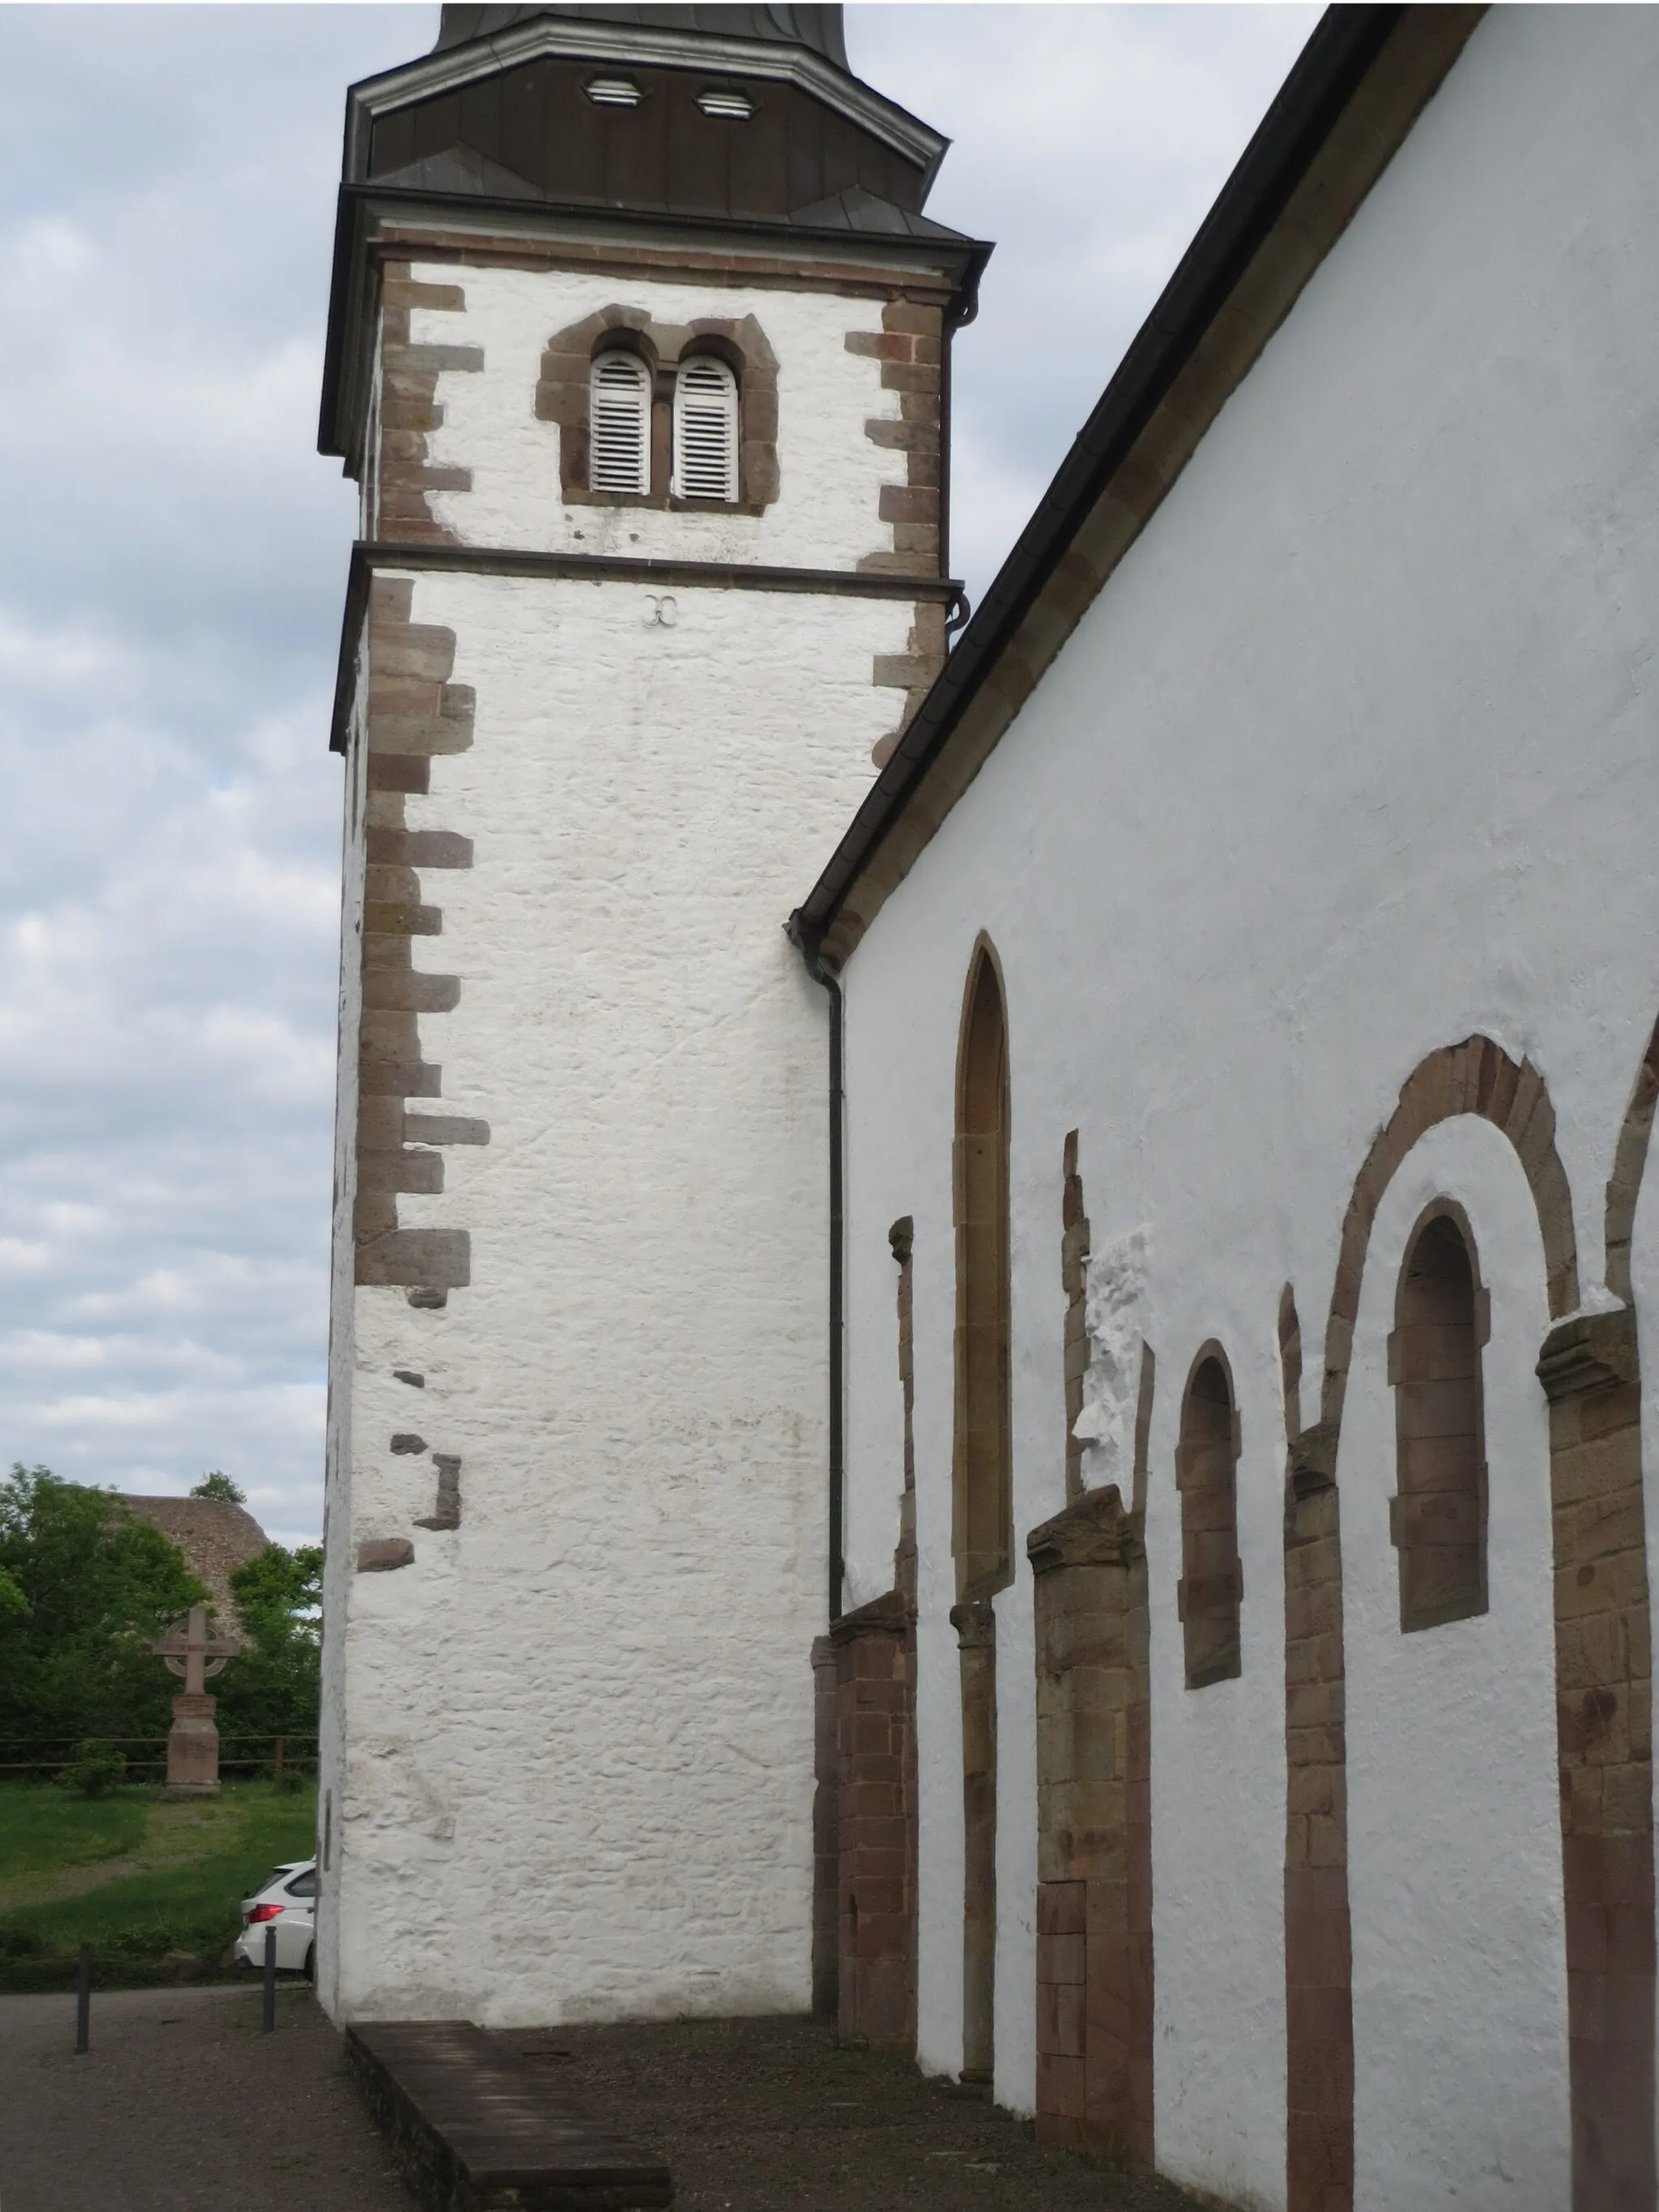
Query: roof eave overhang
{"x": 1317, "y": 152}
{"x": 593, "y": 38}
{"x": 959, "y": 261}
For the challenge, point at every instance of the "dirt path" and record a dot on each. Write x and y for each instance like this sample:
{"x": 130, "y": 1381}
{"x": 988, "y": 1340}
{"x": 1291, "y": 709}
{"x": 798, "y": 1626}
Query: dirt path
{"x": 182, "y": 2105}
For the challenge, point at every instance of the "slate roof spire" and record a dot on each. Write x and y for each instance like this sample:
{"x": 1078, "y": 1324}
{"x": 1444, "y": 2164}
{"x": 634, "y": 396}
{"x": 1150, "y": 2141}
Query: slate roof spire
{"x": 819, "y": 29}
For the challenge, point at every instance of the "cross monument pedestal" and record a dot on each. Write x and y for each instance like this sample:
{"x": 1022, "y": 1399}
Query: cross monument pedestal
{"x": 194, "y": 1649}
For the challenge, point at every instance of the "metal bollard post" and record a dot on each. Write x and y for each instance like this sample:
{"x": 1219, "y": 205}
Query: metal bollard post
{"x": 269, "y": 2019}
{"x": 83, "y": 2001}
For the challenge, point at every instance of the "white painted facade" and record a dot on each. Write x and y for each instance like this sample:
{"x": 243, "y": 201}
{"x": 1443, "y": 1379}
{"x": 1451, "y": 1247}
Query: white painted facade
{"x": 830, "y": 474}
{"x": 1354, "y": 757}
{"x": 567, "y": 1752}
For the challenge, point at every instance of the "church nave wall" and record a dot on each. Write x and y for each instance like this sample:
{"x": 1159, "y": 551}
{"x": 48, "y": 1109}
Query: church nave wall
{"x": 1313, "y": 868}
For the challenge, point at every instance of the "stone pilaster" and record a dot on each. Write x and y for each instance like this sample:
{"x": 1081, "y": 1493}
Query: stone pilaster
{"x": 875, "y": 1690}
{"x": 1589, "y": 1370}
{"x": 826, "y": 1840}
{"x": 1094, "y": 1830}
{"x": 1318, "y": 1944}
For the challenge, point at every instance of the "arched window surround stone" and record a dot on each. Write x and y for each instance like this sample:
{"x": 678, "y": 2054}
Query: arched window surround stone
{"x": 562, "y": 397}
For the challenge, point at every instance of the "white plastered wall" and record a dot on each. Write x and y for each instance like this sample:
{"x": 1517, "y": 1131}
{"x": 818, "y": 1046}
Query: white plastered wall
{"x": 1354, "y": 756}
{"x": 575, "y": 1735}
{"x": 1455, "y": 1880}
{"x": 336, "y": 1550}
{"x": 830, "y": 475}
{"x": 580, "y": 1749}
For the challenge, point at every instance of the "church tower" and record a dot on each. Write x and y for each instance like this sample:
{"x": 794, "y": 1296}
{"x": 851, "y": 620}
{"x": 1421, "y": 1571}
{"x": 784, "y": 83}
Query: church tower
{"x": 637, "y": 352}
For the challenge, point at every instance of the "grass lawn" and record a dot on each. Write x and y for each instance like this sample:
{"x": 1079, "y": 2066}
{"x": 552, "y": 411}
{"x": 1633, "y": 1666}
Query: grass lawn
{"x": 42, "y": 1829}
{"x": 135, "y": 1876}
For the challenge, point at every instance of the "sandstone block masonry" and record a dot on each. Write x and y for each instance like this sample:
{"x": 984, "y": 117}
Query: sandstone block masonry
{"x": 415, "y": 715}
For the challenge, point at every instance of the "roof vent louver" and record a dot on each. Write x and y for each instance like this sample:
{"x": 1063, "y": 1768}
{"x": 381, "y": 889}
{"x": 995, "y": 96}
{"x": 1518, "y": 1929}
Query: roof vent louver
{"x": 613, "y": 92}
{"x": 705, "y": 431}
{"x": 728, "y": 102}
{"x": 619, "y": 425}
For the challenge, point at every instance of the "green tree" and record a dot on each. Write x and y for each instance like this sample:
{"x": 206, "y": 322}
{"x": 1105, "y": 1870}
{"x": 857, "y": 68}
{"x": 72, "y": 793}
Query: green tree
{"x": 97, "y": 1588}
{"x": 220, "y": 1487}
{"x": 273, "y": 1689}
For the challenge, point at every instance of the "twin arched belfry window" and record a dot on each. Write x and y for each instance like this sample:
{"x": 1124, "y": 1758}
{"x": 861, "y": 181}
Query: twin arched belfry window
{"x": 705, "y": 427}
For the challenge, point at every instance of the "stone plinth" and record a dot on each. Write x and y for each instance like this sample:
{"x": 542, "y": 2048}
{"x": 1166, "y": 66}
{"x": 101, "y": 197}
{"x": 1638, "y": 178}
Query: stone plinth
{"x": 193, "y": 1746}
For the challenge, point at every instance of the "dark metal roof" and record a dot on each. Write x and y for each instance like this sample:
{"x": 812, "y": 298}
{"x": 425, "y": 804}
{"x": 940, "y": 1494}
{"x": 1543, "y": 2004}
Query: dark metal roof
{"x": 857, "y": 210}
{"x": 820, "y": 29}
{"x": 1328, "y": 72}
{"x": 499, "y": 117}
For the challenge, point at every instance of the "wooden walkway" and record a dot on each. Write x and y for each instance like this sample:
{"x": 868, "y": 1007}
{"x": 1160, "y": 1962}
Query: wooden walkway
{"x": 476, "y": 2127}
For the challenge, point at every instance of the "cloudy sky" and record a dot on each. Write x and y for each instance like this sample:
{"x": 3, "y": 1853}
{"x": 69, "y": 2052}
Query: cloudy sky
{"x": 170, "y": 586}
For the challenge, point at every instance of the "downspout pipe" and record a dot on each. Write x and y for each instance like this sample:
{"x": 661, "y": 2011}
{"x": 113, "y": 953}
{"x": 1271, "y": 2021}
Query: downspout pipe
{"x": 820, "y": 973}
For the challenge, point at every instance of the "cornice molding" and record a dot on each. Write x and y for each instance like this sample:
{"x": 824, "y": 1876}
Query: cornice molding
{"x": 951, "y": 263}
{"x": 1096, "y": 1530}
{"x": 373, "y": 556}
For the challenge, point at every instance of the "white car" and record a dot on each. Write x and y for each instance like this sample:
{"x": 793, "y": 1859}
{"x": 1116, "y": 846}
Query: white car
{"x": 287, "y": 1901}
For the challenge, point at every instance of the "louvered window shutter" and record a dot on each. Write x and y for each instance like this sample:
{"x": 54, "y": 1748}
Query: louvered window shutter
{"x": 619, "y": 427}
{"x": 705, "y": 431}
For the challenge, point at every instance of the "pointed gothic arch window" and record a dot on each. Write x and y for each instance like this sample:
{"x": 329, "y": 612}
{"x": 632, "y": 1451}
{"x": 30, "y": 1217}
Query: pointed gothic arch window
{"x": 1437, "y": 1518}
{"x": 619, "y": 423}
{"x": 983, "y": 1523}
{"x": 1211, "y": 1580}
{"x": 984, "y": 1453}
{"x": 705, "y": 430}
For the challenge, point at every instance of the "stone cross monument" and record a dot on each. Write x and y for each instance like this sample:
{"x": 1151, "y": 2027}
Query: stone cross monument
{"x": 195, "y": 1650}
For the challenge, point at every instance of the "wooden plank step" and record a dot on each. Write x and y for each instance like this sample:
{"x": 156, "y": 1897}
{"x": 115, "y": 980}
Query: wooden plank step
{"x": 477, "y": 2129}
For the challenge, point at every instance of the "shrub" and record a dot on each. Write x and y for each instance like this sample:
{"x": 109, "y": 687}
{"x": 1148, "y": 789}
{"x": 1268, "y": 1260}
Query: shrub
{"x": 95, "y": 1768}
{"x": 219, "y": 1486}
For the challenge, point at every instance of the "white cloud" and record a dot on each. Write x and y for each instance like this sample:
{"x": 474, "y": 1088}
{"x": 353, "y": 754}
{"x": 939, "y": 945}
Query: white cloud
{"x": 169, "y": 618}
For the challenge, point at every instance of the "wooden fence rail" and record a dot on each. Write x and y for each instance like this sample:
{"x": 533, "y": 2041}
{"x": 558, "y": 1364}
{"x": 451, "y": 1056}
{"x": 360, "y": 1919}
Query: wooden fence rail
{"x": 285, "y": 1751}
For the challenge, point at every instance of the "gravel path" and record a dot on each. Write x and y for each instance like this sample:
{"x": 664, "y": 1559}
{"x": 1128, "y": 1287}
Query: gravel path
{"x": 775, "y": 2116}
{"x": 182, "y": 2105}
